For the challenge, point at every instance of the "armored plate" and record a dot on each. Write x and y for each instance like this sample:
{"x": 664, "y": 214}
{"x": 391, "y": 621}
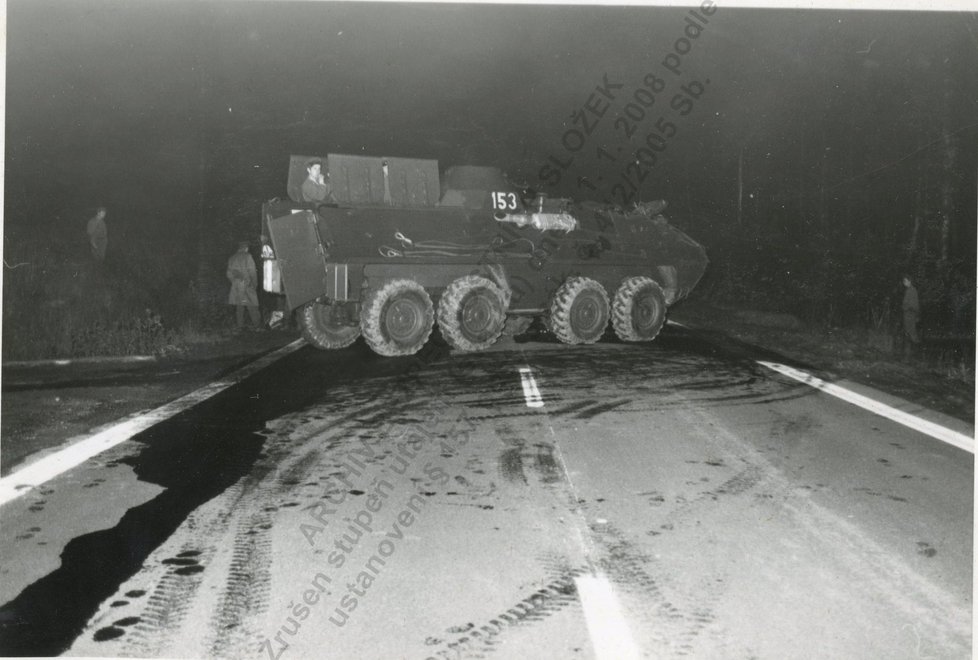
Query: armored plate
{"x": 300, "y": 256}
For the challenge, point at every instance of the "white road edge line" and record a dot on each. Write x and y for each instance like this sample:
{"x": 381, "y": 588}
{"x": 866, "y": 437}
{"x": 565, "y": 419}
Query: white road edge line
{"x": 530, "y": 390}
{"x": 43, "y": 470}
{"x": 959, "y": 440}
{"x": 610, "y": 636}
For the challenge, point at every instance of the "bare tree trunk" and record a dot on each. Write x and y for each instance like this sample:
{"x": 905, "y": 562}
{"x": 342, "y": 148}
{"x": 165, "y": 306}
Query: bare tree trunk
{"x": 912, "y": 248}
{"x": 918, "y": 210}
{"x": 822, "y": 213}
{"x": 949, "y": 160}
{"x": 945, "y": 237}
{"x": 204, "y": 289}
{"x": 740, "y": 187}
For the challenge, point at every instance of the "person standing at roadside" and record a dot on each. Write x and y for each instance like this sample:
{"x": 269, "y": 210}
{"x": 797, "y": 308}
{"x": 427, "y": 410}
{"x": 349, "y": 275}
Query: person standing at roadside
{"x": 242, "y": 274}
{"x": 98, "y": 234}
{"x": 911, "y": 314}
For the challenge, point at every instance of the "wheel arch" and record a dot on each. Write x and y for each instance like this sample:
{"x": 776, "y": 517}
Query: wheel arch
{"x": 434, "y": 277}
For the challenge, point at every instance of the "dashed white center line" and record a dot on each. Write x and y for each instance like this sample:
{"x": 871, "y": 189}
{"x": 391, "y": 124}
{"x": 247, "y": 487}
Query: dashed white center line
{"x": 959, "y": 440}
{"x": 606, "y": 624}
{"x": 43, "y": 470}
{"x": 610, "y": 635}
{"x": 530, "y": 390}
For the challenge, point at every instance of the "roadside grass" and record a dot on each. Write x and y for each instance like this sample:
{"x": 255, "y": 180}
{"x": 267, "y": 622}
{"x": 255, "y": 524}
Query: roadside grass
{"x": 70, "y": 331}
{"x": 939, "y": 375}
{"x": 962, "y": 371}
{"x": 58, "y": 307}
{"x": 948, "y": 355}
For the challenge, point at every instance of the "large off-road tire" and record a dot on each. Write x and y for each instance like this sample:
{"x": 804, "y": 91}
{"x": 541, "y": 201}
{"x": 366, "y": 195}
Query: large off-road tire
{"x": 320, "y": 328}
{"x": 579, "y": 311}
{"x": 397, "y": 317}
{"x": 638, "y": 311}
{"x": 517, "y": 325}
{"x": 472, "y": 313}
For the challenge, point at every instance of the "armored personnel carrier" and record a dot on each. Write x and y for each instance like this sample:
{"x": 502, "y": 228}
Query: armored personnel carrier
{"x": 400, "y": 248}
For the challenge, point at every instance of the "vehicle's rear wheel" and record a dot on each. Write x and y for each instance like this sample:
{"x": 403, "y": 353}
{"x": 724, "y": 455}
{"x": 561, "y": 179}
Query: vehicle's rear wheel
{"x": 639, "y": 309}
{"x": 579, "y": 311}
{"x": 323, "y": 326}
{"x": 517, "y": 325}
{"x": 471, "y": 313}
{"x": 397, "y": 318}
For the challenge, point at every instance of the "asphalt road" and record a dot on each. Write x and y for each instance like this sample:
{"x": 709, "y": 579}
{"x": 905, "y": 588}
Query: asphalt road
{"x": 663, "y": 500}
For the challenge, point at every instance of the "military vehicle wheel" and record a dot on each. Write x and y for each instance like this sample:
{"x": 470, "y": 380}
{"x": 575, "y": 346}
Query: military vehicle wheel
{"x": 321, "y": 328}
{"x": 579, "y": 311}
{"x": 471, "y": 313}
{"x": 517, "y": 325}
{"x": 639, "y": 309}
{"x": 397, "y": 318}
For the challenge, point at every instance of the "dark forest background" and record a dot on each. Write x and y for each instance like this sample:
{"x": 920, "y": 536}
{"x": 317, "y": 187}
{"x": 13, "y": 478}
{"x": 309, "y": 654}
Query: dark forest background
{"x": 828, "y": 153}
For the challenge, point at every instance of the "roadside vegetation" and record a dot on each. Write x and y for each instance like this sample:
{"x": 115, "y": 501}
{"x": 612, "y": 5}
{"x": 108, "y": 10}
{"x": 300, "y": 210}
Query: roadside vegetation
{"x": 59, "y": 302}
{"x": 826, "y": 269}
{"x": 836, "y": 303}
{"x": 840, "y": 292}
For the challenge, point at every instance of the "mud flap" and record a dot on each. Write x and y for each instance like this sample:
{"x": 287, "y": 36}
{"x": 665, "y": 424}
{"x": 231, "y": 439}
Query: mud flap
{"x": 668, "y": 279}
{"x": 301, "y": 259}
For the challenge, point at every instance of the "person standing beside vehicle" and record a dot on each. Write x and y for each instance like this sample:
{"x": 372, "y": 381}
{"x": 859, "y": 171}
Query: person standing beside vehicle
{"x": 243, "y": 275}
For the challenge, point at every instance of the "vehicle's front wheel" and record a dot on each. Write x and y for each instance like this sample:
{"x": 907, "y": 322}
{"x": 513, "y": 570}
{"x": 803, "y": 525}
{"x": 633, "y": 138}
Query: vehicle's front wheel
{"x": 397, "y": 318}
{"x": 323, "y": 326}
{"x": 579, "y": 311}
{"x": 471, "y": 313}
{"x": 639, "y": 309}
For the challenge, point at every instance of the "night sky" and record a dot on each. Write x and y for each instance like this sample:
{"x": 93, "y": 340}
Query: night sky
{"x": 180, "y": 117}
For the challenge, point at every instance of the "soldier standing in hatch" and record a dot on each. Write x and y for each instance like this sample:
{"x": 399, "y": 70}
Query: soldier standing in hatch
{"x": 243, "y": 276}
{"x": 315, "y": 188}
{"x": 911, "y": 315}
{"x": 98, "y": 234}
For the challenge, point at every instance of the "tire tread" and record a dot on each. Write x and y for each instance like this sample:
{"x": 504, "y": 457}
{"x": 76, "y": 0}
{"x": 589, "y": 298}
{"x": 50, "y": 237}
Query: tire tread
{"x": 371, "y": 323}
{"x": 622, "y": 308}
{"x": 320, "y": 337}
{"x": 560, "y": 307}
{"x": 451, "y": 300}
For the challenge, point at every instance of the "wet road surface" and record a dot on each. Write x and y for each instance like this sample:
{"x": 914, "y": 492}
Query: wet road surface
{"x": 45, "y": 404}
{"x": 672, "y": 498}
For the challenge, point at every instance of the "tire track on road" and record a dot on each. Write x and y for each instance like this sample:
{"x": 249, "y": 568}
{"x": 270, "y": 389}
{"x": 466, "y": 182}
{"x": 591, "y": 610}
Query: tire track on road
{"x": 232, "y": 535}
{"x": 476, "y": 640}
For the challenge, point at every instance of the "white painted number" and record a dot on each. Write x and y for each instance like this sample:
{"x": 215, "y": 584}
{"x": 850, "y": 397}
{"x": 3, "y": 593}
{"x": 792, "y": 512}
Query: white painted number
{"x": 503, "y": 200}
